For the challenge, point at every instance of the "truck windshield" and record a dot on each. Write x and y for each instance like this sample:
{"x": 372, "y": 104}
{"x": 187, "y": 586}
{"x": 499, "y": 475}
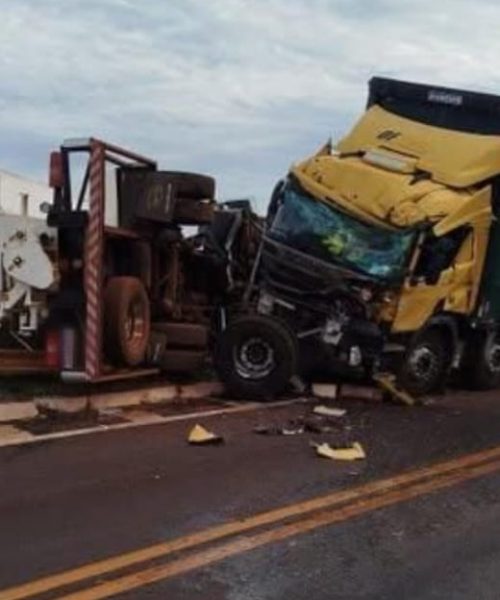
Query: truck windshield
{"x": 324, "y": 232}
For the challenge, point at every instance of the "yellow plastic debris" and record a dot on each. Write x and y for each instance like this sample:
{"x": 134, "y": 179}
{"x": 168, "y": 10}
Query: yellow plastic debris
{"x": 200, "y": 435}
{"x": 355, "y": 452}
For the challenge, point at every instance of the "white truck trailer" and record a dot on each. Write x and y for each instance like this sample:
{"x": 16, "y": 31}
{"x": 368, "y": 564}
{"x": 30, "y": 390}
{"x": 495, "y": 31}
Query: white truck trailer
{"x": 15, "y": 190}
{"x": 26, "y": 270}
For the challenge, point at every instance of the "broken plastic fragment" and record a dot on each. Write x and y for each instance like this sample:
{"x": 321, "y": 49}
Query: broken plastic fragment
{"x": 328, "y": 411}
{"x": 200, "y": 435}
{"x": 355, "y": 452}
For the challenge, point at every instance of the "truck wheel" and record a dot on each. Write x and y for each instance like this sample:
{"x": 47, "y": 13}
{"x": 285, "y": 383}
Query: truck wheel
{"x": 483, "y": 371}
{"x": 425, "y": 366}
{"x": 193, "y": 212}
{"x": 126, "y": 321}
{"x": 192, "y": 185}
{"x": 256, "y": 356}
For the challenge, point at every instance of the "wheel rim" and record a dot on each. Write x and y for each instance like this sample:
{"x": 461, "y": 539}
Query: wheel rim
{"x": 493, "y": 355}
{"x": 254, "y": 358}
{"x": 135, "y": 324}
{"x": 424, "y": 364}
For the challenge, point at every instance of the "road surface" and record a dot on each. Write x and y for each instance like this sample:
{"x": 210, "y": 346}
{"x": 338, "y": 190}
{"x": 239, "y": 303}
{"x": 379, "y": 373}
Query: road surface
{"x": 138, "y": 513}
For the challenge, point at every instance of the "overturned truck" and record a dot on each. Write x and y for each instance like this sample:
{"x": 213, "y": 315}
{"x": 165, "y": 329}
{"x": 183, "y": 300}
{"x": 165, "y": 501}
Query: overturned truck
{"x": 381, "y": 253}
{"x": 112, "y": 285}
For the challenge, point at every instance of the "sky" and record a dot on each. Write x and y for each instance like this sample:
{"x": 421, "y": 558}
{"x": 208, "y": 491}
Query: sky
{"x": 238, "y": 89}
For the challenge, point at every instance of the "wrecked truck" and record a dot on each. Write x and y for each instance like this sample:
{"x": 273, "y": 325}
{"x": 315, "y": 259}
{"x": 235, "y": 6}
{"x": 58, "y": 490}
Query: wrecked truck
{"x": 381, "y": 253}
{"x": 111, "y": 285}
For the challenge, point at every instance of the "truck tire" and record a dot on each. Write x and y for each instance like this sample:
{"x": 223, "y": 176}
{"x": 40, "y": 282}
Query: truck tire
{"x": 192, "y": 185}
{"x": 482, "y": 370}
{"x": 126, "y": 321}
{"x": 193, "y": 212}
{"x": 256, "y": 356}
{"x": 426, "y": 363}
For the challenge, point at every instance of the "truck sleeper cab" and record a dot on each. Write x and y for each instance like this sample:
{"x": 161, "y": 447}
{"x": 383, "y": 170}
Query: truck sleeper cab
{"x": 382, "y": 252}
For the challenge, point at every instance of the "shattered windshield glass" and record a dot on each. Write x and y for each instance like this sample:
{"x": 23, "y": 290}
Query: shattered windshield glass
{"x": 322, "y": 231}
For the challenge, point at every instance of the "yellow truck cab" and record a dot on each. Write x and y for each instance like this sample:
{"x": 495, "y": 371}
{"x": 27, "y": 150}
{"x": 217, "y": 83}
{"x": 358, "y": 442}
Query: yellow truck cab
{"x": 381, "y": 251}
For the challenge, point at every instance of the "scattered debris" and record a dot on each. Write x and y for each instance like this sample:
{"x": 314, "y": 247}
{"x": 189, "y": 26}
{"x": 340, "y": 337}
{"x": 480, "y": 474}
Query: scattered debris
{"x": 355, "y": 452}
{"x": 293, "y": 427}
{"x": 267, "y": 430}
{"x": 324, "y": 390}
{"x": 293, "y": 430}
{"x": 328, "y": 411}
{"x": 317, "y": 424}
{"x": 325, "y": 419}
{"x": 201, "y": 436}
{"x": 387, "y": 382}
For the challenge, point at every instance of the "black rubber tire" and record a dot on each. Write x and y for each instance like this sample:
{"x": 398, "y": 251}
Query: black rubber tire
{"x": 193, "y": 212}
{"x": 273, "y": 334}
{"x": 192, "y": 185}
{"x": 127, "y": 321}
{"x": 477, "y": 373}
{"x": 435, "y": 346}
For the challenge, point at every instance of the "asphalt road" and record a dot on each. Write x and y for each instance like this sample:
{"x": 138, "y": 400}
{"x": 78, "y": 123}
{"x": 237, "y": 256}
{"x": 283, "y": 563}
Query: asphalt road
{"x": 430, "y": 535}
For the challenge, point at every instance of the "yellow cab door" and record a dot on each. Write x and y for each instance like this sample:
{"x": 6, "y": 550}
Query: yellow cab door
{"x": 447, "y": 267}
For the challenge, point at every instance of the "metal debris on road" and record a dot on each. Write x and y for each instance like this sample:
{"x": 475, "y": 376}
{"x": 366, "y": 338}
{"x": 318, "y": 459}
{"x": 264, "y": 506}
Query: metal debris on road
{"x": 201, "y": 436}
{"x": 267, "y": 429}
{"x": 317, "y": 424}
{"x": 293, "y": 430}
{"x": 324, "y": 419}
{"x": 328, "y": 411}
{"x": 293, "y": 427}
{"x": 355, "y": 452}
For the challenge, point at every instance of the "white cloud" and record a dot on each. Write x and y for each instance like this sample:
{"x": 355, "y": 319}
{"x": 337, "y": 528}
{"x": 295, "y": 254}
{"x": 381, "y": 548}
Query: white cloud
{"x": 238, "y": 88}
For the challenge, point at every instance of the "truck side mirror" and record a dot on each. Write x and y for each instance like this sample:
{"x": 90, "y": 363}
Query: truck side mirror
{"x": 56, "y": 170}
{"x": 275, "y": 200}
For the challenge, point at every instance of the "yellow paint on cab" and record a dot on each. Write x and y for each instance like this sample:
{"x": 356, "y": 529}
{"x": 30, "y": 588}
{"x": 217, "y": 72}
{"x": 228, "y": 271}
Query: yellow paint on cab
{"x": 454, "y": 158}
{"x": 457, "y": 288}
{"x": 417, "y": 175}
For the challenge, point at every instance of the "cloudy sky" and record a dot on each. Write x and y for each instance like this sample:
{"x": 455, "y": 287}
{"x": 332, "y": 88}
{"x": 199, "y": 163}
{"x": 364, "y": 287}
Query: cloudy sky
{"x": 235, "y": 88}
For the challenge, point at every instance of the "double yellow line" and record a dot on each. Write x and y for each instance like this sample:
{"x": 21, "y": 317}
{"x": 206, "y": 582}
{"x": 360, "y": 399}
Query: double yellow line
{"x": 260, "y": 529}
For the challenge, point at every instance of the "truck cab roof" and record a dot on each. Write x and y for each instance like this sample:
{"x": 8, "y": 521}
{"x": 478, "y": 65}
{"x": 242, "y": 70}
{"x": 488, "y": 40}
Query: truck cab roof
{"x": 453, "y": 158}
{"x": 453, "y": 134}
{"x": 418, "y": 154}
